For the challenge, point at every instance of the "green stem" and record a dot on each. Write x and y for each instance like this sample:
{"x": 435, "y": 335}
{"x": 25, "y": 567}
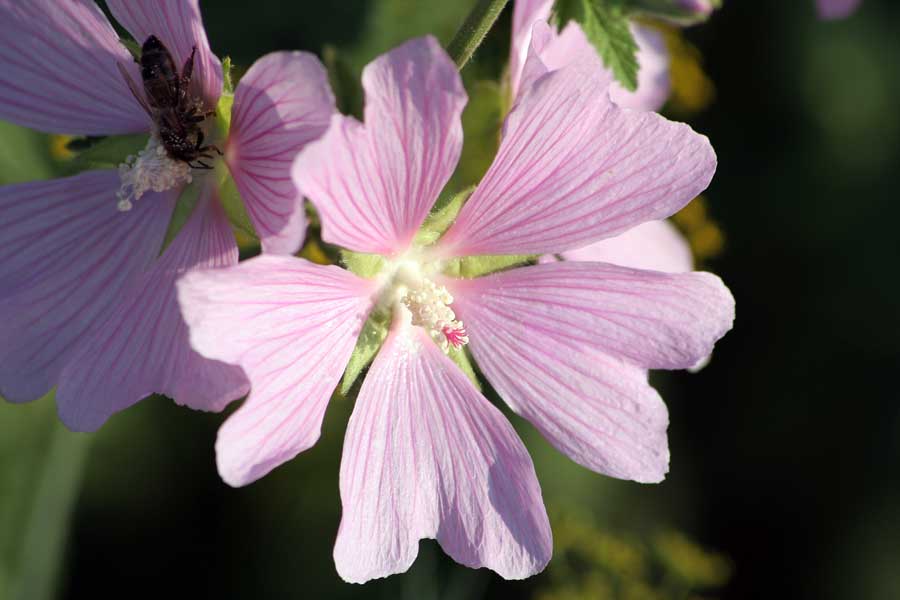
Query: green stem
{"x": 47, "y": 529}
{"x": 473, "y": 30}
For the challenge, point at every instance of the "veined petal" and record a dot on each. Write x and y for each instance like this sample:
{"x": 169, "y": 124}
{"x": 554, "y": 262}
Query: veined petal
{"x": 837, "y": 9}
{"x": 282, "y": 103}
{"x": 178, "y": 24}
{"x": 654, "y": 246}
{"x": 573, "y": 168}
{"x": 651, "y": 319}
{"x": 525, "y": 14}
{"x": 59, "y": 70}
{"x": 143, "y": 347}
{"x": 426, "y": 456}
{"x": 67, "y": 256}
{"x": 292, "y": 325}
{"x": 375, "y": 183}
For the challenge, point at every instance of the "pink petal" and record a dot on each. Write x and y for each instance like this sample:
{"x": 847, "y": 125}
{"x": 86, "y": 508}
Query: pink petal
{"x": 525, "y": 14}
{"x": 59, "y": 69}
{"x": 178, "y": 24}
{"x": 573, "y": 168}
{"x": 651, "y": 319}
{"x": 654, "y": 246}
{"x": 426, "y": 456}
{"x": 282, "y": 103}
{"x": 654, "y": 83}
{"x": 67, "y": 255}
{"x": 292, "y": 326}
{"x": 143, "y": 347}
{"x": 374, "y": 184}
{"x": 837, "y": 9}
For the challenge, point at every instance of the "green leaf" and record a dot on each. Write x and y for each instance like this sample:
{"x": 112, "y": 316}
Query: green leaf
{"x": 361, "y": 264}
{"x": 107, "y": 153}
{"x": 24, "y": 155}
{"x": 344, "y": 81}
{"x": 441, "y": 218}
{"x": 606, "y": 25}
{"x": 367, "y": 346}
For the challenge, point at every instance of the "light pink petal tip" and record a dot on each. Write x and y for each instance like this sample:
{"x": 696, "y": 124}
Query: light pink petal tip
{"x": 525, "y": 14}
{"x": 426, "y": 456}
{"x": 292, "y": 326}
{"x": 143, "y": 348}
{"x": 59, "y": 70}
{"x": 837, "y": 9}
{"x": 573, "y": 168}
{"x": 67, "y": 256}
{"x": 653, "y": 246}
{"x": 282, "y": 103}
{"x": 375, "y": 183}
{"x": 179, "y": 25}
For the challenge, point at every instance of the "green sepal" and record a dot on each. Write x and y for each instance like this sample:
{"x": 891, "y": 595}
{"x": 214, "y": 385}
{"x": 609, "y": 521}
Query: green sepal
{"x": 107, "y": 153}
{"x": 370, "y": 340}
{"x": 227, "y": 82}
{"x": 441, "y": 218}
{"x": 461, "y": 358}
{"x": 234, "y": 207}
{"x": 470, "y": 267}
{"x": 362, "y": 264}
{"x": 223, "y": 114}
{"x": 184, "y": 207}
{"x": 606, "y": 25}
{"x": 133, "y": 47}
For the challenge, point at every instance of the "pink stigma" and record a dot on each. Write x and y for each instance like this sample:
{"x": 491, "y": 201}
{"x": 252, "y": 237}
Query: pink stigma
{"x": 456, "y": 335}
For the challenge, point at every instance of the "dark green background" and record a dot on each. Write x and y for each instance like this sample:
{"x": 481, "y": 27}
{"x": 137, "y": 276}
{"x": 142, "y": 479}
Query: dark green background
{"x": 785, "y": 449}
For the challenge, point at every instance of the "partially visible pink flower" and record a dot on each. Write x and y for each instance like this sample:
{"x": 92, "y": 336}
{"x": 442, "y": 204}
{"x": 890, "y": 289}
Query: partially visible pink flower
{"x": 563, "y": 48}
{"x": 567, "y": 345}
{"x": 837, "y": 9}
{"x": 85, "y": 301}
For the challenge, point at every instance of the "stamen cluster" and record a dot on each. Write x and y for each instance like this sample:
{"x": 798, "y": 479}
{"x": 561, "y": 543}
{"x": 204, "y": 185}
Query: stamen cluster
{"x": 429, "y": 305}
{"x": 150, "y": 170}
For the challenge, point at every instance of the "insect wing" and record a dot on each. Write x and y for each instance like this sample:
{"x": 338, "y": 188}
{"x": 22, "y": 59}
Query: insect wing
{"x": 135, "y": 91}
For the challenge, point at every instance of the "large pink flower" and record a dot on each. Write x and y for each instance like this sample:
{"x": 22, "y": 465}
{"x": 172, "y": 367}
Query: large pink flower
{"x": 837, "y": 9}
{"x": 567, "y": 345}
{"x": 85, "y": 303}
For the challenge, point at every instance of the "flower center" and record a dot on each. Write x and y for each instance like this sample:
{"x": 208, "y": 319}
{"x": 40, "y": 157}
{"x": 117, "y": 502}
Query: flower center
{"x": 151, "y": 170}
{"x": 429, "y": 305}
{"x": 424, "y": 302}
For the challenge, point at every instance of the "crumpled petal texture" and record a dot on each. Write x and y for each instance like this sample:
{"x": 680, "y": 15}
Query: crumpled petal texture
{"x": 143, "y": 347}
{"x": 179, "y": 25}
{"x": 67, "y": 255}
{"x": 573, "y": 168}
{"x": 282, "y": 103}
{"x": 374, "y": 184}
{"x": 426, "y": 456}
{"x": 59, "y": 70}
{"x": 291, "y": 325}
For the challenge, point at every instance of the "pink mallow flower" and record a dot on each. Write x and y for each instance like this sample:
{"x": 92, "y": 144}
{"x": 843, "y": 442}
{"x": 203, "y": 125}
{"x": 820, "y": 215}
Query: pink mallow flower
{"x": 567, "y": 345}
{"x": 86, "y": 301}
{"x": 837, "y": 9}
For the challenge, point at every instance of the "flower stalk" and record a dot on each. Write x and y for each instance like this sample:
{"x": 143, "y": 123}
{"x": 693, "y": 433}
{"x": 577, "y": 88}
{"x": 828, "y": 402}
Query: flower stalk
{"x": 473, "y": 30}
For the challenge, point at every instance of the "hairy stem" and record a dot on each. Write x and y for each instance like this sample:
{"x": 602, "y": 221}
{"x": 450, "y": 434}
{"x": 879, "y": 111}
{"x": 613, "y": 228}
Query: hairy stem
{"x": 473, "y": 30}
